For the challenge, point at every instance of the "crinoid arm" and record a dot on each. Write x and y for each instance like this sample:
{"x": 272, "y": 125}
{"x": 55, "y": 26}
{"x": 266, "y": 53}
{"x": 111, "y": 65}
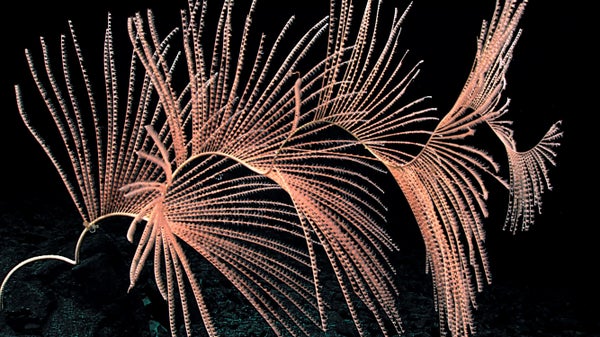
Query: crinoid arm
{"x": 256, "y": 160}
{"x": 93, "y": 146}
{"x": 92, "y": 143}
{"x": 529, "y": 173}
{"x": 445, "y": 183}
{"x": 332, "y": 183}
{"x": 367, "y": 83}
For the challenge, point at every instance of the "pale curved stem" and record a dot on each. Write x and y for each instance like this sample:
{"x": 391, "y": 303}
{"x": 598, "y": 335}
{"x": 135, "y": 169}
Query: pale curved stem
{"x": 75, "y": 261}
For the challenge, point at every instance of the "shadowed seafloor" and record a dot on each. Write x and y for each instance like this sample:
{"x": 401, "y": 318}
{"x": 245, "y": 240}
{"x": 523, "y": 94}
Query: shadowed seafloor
{"x": 52, "y": 299}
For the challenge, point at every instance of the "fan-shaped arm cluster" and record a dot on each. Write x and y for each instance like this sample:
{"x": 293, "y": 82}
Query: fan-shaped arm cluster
{"x": 262, "y": 160}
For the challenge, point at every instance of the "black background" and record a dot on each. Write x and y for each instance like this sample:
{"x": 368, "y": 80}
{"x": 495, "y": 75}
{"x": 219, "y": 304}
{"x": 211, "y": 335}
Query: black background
{"x": 552, "y": 78}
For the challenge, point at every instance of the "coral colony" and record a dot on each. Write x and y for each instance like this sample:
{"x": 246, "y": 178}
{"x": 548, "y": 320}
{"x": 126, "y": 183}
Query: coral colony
{"x": 251, "y": 153}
